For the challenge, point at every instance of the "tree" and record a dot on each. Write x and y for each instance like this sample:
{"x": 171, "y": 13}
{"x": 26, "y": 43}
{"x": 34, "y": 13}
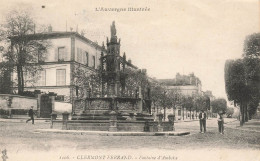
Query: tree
{"x": 5, "y": 78}
{"x": 230, "y": 112}
{"x": 21, "y": 47}
{"x": 252, "y": 107}
{"x": 174, "y": 98}
{"x": 251, "y": 57}
{"x": 218, "y": 105}
{"x": 252, "y": 74}
{"x": 236, "y": 86}
{"x": 188, "y": 103}
{"x": 242, "y": 78}
{"x": 157, "y": 94}
{"x": 251, "y": 46}
{"x": 87, "y": 80}
{"x": 134, "y": 79}
{"x": 200, "y": 103}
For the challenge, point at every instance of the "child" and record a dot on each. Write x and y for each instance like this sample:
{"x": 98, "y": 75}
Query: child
{"x": 31, "y": 113}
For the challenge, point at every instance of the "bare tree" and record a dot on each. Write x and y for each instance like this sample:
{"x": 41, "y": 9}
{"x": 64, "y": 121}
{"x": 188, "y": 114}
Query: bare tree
{"x": 174, "y": 97}
{"x": 84, "y": 79}
{"x": 23, "y": 50}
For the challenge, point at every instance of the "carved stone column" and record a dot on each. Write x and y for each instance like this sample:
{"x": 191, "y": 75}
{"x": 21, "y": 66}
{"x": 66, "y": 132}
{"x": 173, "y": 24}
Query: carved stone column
{"x": 113, "y": 121}
{"x": 160, "y": 117}
{"x": 140, "y": 103}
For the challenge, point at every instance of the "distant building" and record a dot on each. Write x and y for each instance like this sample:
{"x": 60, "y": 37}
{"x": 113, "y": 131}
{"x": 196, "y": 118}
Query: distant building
{"x": 187, "y": 85}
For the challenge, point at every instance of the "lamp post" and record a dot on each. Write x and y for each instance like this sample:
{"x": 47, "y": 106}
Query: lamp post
{"x": 164, "y": 106}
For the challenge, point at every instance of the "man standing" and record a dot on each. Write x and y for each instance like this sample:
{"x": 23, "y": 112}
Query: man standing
{"x": 202, "y": 117}
{"x": 31, "y": 113}
{"x": 220, "y": 122}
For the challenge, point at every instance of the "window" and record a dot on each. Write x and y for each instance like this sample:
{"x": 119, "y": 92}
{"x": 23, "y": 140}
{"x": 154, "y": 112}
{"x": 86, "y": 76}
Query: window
{"x": 179, "y": 112}
{"x": 61, "y": 53}
{"x": 94, "y": 62}
{"x": 42, "y": 78}
{"x": 61, "y": 77}
{"x": 25, "y": 79}
{"x": 80, "y": 56}
{"x": 86, "y": 61}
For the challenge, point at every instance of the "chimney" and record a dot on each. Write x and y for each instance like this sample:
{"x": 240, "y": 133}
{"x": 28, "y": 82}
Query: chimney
{"x": 144, "y": 71}
{"x": 82, "y": 33}
{"x": 129, "y": 61}
{"x": 49, "y": 28}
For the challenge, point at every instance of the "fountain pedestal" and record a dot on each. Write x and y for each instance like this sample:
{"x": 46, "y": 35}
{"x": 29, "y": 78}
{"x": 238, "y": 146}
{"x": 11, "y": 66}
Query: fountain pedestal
{"x": 113, "y": 121}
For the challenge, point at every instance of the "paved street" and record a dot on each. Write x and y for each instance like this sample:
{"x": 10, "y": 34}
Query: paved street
{"x": 17, "y": 135}
{"x": 21, "y": 141}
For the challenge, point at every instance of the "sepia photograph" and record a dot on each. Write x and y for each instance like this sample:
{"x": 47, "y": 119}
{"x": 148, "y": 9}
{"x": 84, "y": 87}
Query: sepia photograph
{"x": 134, "y": 80}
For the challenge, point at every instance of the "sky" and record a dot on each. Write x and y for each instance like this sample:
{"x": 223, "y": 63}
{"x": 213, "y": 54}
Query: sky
{"x": 173, "y": 36}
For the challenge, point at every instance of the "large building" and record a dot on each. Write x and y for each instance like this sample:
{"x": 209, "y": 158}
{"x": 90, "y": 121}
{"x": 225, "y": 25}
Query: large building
{"x": 187, "y": 85}
{"x": 69, "y": 52}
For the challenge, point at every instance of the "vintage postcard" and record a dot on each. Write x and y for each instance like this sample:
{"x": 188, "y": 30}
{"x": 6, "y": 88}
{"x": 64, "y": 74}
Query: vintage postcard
{"x": 134, "y": 80}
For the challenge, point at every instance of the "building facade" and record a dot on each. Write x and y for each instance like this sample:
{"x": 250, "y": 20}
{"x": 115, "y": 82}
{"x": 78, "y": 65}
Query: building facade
{"x": 69, "y": 52}
{"x": 184, "y": 85}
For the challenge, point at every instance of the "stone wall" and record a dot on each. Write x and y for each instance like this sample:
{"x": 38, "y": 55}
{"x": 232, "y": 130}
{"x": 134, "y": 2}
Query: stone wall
{"x": 16, "y": 105}
{"x": 17, "y": 102}
{"x": 60, "y": 107}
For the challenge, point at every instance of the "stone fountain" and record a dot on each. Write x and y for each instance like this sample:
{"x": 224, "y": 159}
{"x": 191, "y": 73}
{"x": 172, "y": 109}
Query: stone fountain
{"x": 114, "y": 111}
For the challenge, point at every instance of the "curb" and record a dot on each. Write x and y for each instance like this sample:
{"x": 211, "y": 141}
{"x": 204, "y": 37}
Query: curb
{"x": 106, "y": 133}
{"x": 23, "y": 120}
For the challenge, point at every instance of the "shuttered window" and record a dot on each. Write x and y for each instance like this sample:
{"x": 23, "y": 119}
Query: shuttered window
{"x": 42, "y": 78}
{"x": 94, "y": 61}
{"x": 86, "y": 59}
{"x": 61, "y": 54}
{"x": 61, "y": 77}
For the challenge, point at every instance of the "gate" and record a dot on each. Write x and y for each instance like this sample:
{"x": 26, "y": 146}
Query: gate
{"x": 45, "y": 106}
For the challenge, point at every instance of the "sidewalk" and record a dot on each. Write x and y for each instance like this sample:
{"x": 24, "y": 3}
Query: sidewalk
{"x": 188, "y": 120}
{"x": 22, "y": 120}
{"x": 118, "y": 133}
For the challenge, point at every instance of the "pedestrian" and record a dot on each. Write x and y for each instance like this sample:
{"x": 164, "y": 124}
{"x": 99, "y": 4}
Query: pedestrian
{"x": 31, "y": 113}
{"x": 202, "y": 118}
{"x": 220, "y": 122}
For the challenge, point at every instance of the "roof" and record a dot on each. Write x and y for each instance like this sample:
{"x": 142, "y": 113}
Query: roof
{"x": 167, "y": 82}
{"x": 181, "y": 80}
{"x": 62, "y": 34}
{"x": 55, "y": 34}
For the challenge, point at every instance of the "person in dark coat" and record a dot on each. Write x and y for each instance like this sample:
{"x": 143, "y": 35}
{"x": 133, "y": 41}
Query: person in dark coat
{"x": 220, "y": 122}
{"x": 202, "y": 118}
{"x": 31, "y": 115}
